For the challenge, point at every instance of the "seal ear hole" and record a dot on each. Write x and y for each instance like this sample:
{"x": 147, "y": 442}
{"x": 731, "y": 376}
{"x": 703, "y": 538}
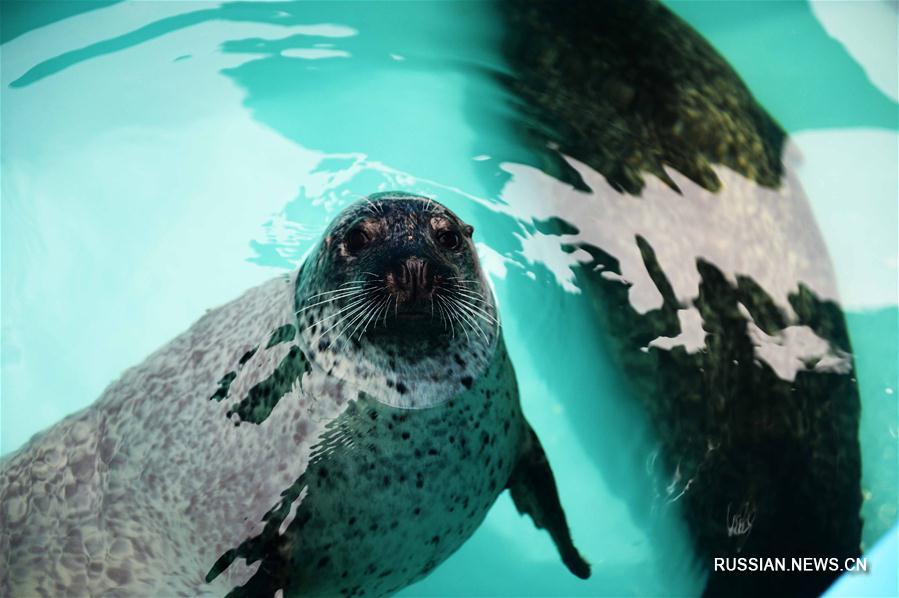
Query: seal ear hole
{"x": 357, "y": 239}
{"x": 469, "y": 230}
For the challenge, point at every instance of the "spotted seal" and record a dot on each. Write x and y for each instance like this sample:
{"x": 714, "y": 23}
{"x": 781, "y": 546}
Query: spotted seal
{"x": 340, "y": 431}
{"x": 677, "y": 194}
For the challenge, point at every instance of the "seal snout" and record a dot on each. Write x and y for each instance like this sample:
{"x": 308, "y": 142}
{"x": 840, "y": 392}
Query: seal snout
{"x": 412, "y": 282}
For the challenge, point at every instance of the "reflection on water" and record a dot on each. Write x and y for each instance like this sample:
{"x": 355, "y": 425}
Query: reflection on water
{"x": 667, "y": 299}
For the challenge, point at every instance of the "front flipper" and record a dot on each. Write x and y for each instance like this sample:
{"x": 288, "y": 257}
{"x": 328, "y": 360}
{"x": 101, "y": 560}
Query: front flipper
{"x": 534, "y": 492}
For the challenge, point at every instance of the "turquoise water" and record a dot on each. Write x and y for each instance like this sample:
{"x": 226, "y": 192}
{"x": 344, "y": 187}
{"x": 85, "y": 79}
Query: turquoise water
{"x": 160, "y": 158}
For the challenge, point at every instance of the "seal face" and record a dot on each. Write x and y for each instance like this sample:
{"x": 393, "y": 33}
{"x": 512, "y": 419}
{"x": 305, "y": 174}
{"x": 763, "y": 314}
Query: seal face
{"x": 394, "y": 294}
{"x": 340, "y": 431}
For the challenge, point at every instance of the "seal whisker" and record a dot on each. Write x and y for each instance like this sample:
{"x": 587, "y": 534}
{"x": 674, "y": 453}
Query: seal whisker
{"x": 463, "y": 292}
{"x": 480, "y": 306}
{"x": 464, "y": 326}
{"x": 358, "y": 320}
{"x": 352, "y": 313}
{"x": 475, "y": 298}
{"x": 357, "y": 317}
{"x": 448, "y": 314}
{"x": 488, "y": 320}
{"x": 340, "y": 311}
{"x": 482, "y": 316}
{"x": 387, "y": 310}
{"x": 473, "y": 326}
{"x": 377, "y": 314}
{"x": 373, "y": 309}
{"x": 349, "y": 296}
{"x": 354, "y": 286}
{"x": 358, "y": 284}
{"x": 440, "y": 311}
{"x": 345, "y": 290}
{"x": 372, "y": 207}
{"x": 468, "y": 294}
{"x": 461, "y": 289}
{"x": 478, "y": 309}
{"x": 337, "y": 334}
{"x": 463, "y": 284}
{"x": 472, "y": 322}
{"x": 355, "y": 320}
{"x": 374, "y": 316}
{"x": 453, "y": 313}
{"x": 336, "y": 297}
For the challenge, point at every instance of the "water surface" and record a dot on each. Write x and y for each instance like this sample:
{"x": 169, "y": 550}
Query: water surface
{"x": 160, "y": 158}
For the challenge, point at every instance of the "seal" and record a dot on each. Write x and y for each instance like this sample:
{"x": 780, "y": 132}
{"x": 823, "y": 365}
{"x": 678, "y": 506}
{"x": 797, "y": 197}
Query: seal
{"x": 709, "y": 280}
{"x": 339, "y": 431}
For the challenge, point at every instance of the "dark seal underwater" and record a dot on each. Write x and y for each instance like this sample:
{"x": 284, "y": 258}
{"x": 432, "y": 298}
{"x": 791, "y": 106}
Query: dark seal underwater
{"x": 772, "y": 458}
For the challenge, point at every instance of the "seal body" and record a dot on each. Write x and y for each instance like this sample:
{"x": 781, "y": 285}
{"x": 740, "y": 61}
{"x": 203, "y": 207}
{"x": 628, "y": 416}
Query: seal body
{"x": 321, "y": 435}
{"x": 414, "y": 485}
{"x": 709, "y": 279}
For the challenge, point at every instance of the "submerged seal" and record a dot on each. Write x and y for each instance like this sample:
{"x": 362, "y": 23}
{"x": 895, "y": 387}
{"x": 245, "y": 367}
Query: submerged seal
{"x": 340, "y": 431}
{"x": 709, "y": 280}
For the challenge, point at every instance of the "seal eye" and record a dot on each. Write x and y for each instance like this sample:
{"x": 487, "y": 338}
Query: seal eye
{"x": 449, "y": 239}
{"x": 357, "y": 239}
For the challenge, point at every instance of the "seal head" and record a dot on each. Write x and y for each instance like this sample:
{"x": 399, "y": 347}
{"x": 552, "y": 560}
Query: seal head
{"x": 392, "y": 293}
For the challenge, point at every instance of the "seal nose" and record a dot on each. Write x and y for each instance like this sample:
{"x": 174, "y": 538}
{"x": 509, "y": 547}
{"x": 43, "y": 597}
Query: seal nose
{"x": 415, "y": 277}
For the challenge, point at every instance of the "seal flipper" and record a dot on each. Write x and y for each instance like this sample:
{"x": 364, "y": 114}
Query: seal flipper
{"x": 534, "y": 492}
